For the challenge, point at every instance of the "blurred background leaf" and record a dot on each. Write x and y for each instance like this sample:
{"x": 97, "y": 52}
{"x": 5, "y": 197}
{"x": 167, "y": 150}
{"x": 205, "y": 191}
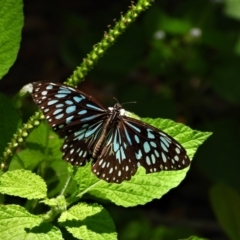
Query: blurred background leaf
{"x": 226, "y": 205}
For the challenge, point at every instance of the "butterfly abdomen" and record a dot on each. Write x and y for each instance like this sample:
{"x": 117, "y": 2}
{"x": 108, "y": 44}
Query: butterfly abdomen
{"x": 110, "y": 122}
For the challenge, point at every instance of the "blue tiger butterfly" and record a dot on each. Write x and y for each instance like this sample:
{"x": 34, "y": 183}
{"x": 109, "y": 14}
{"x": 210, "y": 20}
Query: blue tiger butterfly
{"x": 117, "y": 143}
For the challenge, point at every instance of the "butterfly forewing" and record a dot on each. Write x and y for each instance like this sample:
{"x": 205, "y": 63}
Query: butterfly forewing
{"x": 64, "y": 106}
{"x": 154, "y": 149}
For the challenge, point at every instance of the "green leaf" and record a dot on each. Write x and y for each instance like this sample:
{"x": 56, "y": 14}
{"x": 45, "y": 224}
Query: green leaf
{"x": 224, "y": 80}
{"x": 45, "y": 139}
{"x": 46, "y": 144}
{"x": 24, "y": 184}
{"x": 223, "y": 154}
{"x": 11, "y": 23}
{"x": 27, "y": 159}
{"x": 10, "y": 120}
{"x": 232, "y": 8}
{"x": 17, "y": 223}
{"x": 88, "y": 221}
{"x": 143, "y": 188}
{"x": 193, "y": 238}
{"x": 44, "y": 150}
{"x": 226, "y": 205}
{"x": 155, "y": 19}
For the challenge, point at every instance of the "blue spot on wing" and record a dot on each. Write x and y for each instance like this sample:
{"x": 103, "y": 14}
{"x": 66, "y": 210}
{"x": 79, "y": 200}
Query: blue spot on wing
{"x": 70, "y": 109}
{"x": 49, "y": 87}
{"x": 64, "y": 91}
{"x": 78, "y": 98}
{"x": 60, "y": 95}
{"x": 52, "y": 102}
{"x": 146, "y": 147}
{"x": 69, "y": 102}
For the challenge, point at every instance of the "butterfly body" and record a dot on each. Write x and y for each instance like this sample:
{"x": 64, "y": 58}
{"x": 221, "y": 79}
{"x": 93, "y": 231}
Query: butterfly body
{"x": 117, "y": 143}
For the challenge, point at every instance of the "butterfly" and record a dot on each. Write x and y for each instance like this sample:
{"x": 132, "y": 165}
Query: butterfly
{"x": 117, "y": 143}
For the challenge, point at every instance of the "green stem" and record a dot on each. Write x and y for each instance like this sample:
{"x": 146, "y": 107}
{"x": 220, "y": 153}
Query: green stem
{"x": 19, "y": 137}
{"x": 108, "y": 40}
{"x": 78, "y": 75}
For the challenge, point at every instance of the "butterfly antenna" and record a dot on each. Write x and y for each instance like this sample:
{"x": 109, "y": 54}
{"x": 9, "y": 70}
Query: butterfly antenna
{"x": 123, "y": 103}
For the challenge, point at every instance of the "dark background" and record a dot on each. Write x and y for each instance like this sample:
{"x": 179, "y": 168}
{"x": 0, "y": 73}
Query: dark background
{"x": 179, "y": 60}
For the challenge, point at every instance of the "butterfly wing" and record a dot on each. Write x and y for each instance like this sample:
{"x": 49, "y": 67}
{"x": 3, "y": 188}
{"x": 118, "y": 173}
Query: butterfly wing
{"x": 154, "y": 149}
{"x": 129, "y": 143}
{"x": 78, "y": 115}
{"x": 117, "y": 160}
{"x": 65, "y": 107}
{"x": 134, "y": 143}
{"x": 79, "y": 144}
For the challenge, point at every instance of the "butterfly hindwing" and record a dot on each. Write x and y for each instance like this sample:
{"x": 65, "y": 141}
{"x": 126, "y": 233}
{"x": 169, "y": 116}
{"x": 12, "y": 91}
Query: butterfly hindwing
{"x": 79, "y": 142}
{"x": 116, "y": 161}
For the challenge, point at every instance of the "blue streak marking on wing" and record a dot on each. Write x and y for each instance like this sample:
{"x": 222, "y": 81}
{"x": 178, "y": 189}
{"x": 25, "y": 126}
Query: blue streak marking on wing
{"x": 57, "y": 111}
{"x": 68, "y": 119}
{"x": 163, "y": 147}
{"x": 82, "y": 112}
{"x": 164, "y": 141}
{"x": 133, "y": 127}
{"x": 89, "y": 118}
{"x": 118, "y": 155}
{"x": 91, "y": 131}
{"x": 79, "y": 132}
{"x": 168, "y": 139}
{"x": 127, "y": 135}
{"x": 94, "y": 107}
{"x": 59, "y": 116}
{"x": 109, "y": 139}
{"x": 79, "y": 137}
{"x": 119, "y": 136}
{"x": 115, "y": 143}
{"x": 122, "y": 153}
